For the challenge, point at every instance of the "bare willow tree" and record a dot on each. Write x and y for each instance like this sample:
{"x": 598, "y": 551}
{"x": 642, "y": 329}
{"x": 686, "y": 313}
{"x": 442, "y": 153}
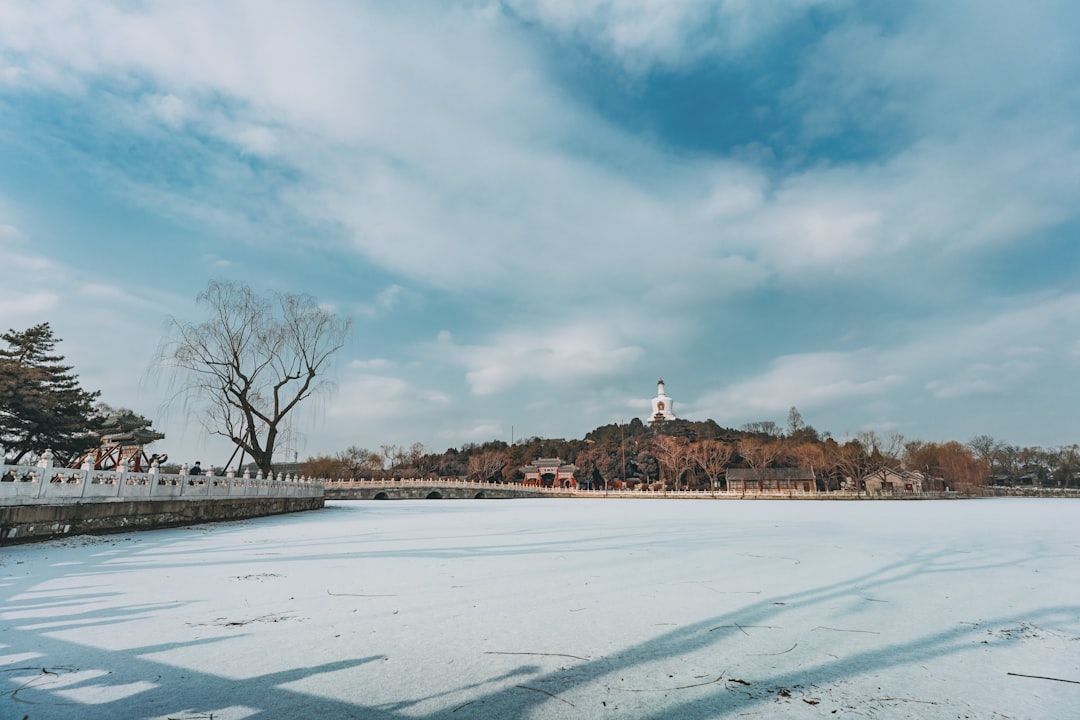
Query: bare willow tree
{"x": 712, "y": 456}
{"x": 484, "y": 465}
{"x": 244, "y": 369}
{"x": 674, "y": 456}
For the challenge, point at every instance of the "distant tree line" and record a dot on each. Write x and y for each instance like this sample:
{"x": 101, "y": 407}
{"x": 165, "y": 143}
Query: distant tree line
{"x": 696, "y": 455}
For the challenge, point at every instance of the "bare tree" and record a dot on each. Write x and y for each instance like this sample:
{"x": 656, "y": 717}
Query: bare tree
{"x": 389, "y": 454}
{"x": 484, "y": 465}
{"x": 951, "y": 463}
{"x": 795, "y": 422}
{"x": 360, "y": 461}
{"x": 712, "y": 456}
{"x": 601, "y": 459}
{"x": 883, "y": 452}
{"x": 809, "y": 455}
{"x": 1068, "y": 464}
{"x": 673, "y": 454}
{"x": 242, "y": 371}
{"x": 851, "y": 461}
{"x": 763, "y": 427}
{"x": 419, "y": 459}
{"x": 758, "y": 454}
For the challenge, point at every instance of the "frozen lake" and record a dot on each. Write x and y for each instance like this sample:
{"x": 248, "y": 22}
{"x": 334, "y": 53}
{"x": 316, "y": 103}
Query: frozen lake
{"x": 556, "y": 608}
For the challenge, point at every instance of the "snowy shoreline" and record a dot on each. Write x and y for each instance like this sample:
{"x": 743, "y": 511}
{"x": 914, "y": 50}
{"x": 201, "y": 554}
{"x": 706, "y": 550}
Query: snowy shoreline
{"x": 553, "y": 609}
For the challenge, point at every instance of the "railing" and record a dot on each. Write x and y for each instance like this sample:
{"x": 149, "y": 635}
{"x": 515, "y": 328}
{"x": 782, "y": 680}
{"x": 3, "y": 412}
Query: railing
{"x": 370, "y": 483}
{"x": 44, "y": 484}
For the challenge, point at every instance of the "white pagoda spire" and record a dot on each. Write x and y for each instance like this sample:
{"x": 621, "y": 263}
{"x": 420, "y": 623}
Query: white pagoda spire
{"x": 663, "y": 407}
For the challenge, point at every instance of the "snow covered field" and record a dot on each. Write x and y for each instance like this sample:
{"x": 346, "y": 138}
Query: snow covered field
{"x": 557, "y": 608}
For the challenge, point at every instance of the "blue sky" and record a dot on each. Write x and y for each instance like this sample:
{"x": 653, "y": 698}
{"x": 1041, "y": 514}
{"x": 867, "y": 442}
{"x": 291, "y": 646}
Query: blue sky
{"x": 534, "y": 209}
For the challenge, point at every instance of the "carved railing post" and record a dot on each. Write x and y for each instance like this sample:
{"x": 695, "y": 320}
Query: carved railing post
{"x": 46, "y": 459}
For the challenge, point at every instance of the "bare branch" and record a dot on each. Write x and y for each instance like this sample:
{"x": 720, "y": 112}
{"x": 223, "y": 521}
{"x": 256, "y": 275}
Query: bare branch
{"x": 243, "y": 370}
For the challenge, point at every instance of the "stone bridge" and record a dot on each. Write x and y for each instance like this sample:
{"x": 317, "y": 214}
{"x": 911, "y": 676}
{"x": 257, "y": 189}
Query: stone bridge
{"x": 442, "y": 489}
{"x": 455, "y": 489}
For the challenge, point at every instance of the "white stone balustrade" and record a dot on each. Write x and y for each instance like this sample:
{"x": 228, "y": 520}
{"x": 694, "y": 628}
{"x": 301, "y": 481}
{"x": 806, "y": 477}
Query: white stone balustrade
{"x": 43, "y": 484}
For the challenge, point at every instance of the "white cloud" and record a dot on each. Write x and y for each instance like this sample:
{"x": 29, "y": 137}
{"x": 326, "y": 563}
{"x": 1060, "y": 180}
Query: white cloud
{"x": 996, "y": 353}
{"x": 479, "y": 432}
{"x": 19, "y": 308}
{"x": 169, "y": 109}
{"x": 256, "y": 140}
{"x": 963, "y": 387}
{"x": 642, "y": 34}
{"x": 561, "y": 356}
{"x": 372, "y": 364}
{"x": 807, "y": 380}
{"x": 386, "y": 300}
{"x": 10, "y": 234}
{"x": 370, "y": 397}
{"x": 435, "y": 143}
{"x": 466, "y": 189}
{"x": 215, "y": 263}
{"x": 108, "y": 293}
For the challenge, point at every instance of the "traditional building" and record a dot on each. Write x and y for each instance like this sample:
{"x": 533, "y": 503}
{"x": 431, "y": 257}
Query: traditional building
{"x": 893, "y": 482}
{"x": 771, "y": 480}
{"x": 550, "y": 472}
{"x": 663, "y": 407}
{"x": 123, "y": 438}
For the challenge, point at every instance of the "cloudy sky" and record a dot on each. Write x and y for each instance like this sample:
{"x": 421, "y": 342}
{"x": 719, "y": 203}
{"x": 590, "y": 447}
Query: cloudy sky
{"x": 534, "y": 208}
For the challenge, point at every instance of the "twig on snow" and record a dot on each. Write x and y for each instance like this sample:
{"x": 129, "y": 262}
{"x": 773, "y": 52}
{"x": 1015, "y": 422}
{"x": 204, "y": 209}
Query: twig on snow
{"x": 545, "y": 692}
{"x": 355, "y": 595}
{"x": 33, "y": 682}
{"x": 772, "y": 557}
{"x": 868, "y": 632}
{"x": 272, "y": 617}
{"x": 722, "y": 592}
{"x": 1043, "y": 677}
{"x": 681, "y": 687}
{"x": 576, "y": 657}
{"x": 764, "y": 627}
{"x": 771, "y": 654}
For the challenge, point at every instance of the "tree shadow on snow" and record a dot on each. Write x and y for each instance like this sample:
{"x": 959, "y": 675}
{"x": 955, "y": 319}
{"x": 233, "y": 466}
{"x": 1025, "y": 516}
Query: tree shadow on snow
{"x": 44, "y": 674}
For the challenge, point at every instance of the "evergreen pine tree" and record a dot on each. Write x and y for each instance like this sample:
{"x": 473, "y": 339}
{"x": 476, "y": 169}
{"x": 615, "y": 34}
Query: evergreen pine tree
{"x": 42, "y": 405}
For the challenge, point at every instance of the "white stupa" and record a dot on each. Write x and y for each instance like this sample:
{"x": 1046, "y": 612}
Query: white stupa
{"x": 663, "y": 407}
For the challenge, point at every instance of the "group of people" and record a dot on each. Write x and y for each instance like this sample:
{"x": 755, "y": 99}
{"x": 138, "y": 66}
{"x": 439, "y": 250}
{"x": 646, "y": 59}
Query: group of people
{"x": 10, "y": 476}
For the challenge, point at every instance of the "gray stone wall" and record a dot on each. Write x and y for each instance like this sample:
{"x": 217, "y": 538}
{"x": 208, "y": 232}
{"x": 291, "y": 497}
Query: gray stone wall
{"x": 23, "y": 523}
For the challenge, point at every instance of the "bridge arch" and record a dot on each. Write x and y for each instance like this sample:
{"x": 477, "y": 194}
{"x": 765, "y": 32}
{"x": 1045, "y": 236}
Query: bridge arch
{"x": 479, "y": 496}
{"x": 381, "y": 496}
{"x": 434, "y": 495}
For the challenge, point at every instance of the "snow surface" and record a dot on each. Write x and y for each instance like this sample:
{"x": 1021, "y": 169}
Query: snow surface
{"x": 556, "y": 608}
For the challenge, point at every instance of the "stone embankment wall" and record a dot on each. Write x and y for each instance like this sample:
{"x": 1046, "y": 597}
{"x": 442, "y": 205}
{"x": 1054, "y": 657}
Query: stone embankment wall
{"x": 42, "y": 501}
